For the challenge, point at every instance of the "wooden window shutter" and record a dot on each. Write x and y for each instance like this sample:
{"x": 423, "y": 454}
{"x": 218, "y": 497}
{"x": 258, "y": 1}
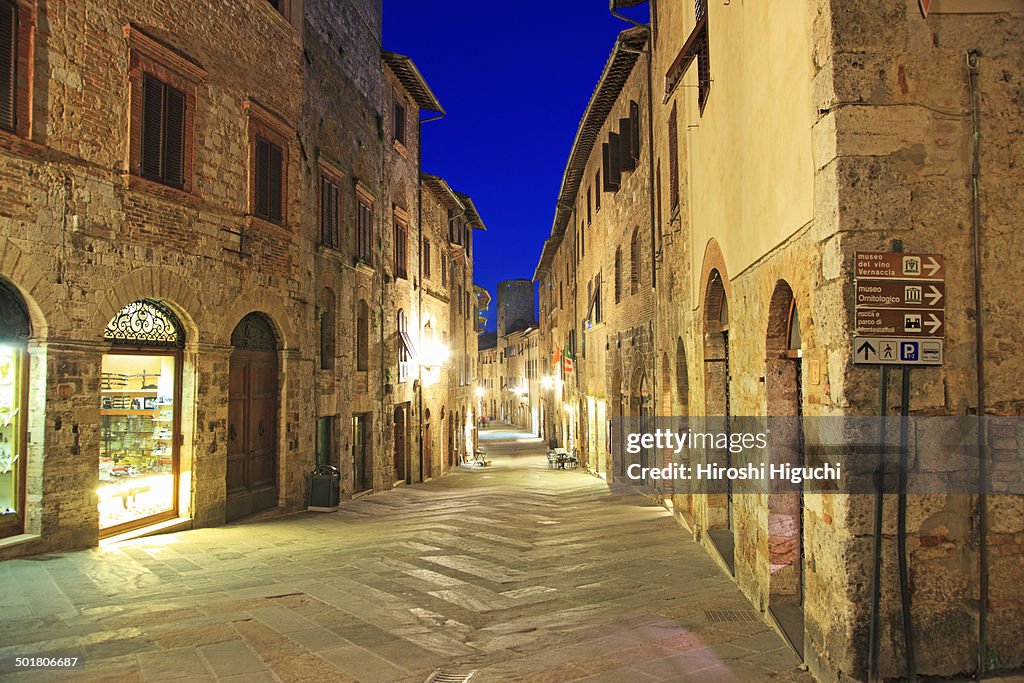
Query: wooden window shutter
{"x": 174, "y": 137}
{"x": 262, "y": 208}
{"x": 276, "y": 182}
{"x": 626, "y": 160}
{"x": 613, "y": 169}
{"x": 8, "y": 65}
{"x": 673, "y": 159}
{"x": 634, "y": 132}
{"x": 329, "y": 213}
{"x": 426, "y": 258}
{"x": 597, "y": 191}
{"x": 152, "y": 128}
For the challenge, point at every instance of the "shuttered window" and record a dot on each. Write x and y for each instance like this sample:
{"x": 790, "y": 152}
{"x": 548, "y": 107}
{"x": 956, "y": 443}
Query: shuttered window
{"x": 269, "y": 180}
{"x": 399, "y": 121}
{"x": 673, "y": 160}
{"x": 597, "y": 191}
{"x": 425, "y": 256}
{"x": 362, "y": 336}
{"x": 401, "y": 254}
{"x": 634, "y": 262}
{"x": 163, "y": 132}
{"x": 329, "y": 236}
{"x": 618, "y": 275}
{"x": 364, "y": 233}
{"x": 444, "y": 270}
{"x": 611, "y": 161}
{"x": 8, "y": 65}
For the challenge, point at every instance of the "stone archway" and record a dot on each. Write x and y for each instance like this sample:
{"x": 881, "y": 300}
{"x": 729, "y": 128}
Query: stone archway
{"x": 718, "y": 412}
{"x": 784, "y": 393}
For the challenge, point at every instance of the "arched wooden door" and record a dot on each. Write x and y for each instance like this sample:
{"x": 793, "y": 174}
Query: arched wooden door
{"x": 252, "y": 418}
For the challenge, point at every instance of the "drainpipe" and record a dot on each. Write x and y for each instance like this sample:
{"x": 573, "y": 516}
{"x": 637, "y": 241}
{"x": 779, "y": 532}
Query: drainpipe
{"x": 979, "y": 332}
{"x": 419, "y": 250}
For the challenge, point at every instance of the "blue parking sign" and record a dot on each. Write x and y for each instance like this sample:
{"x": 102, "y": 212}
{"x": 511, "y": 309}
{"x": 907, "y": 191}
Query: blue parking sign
{"x": 909, "y": 351}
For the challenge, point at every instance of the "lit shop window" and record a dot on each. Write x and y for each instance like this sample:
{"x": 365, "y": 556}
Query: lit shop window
{"x": 14, "y": 333}
{"x": 139, "y": 417}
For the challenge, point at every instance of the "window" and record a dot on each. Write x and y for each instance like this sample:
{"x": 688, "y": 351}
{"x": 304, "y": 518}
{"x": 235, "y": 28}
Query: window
{"x": 404, "y": 352}
{"x": 597, "y": 191}
{"x": 610, "y": 161}
{"x": 634, "y": 262}
{"x": 8, "y": 65}
{"x": 327, "y": 318}
{"x": 325, "y": 441}
{"x": 444, "y": 270}
{"x": 399, "y": 121}
{"x": 589, "y": 215}
{"x": 456, "y": 226}
{"x": 425, "y": 256}
{"x": 673, "y": 160}
{"x": 701, "y": 48}
{"x": 364, "y": 231}
{"x": 401, "y": 246}
{"x": 163, "y": 132}
{"x": 618, "y": 275}
{"x": 634, "y": 135}
{"x": 269, "y": 181}
{"x": 329, "y": 211}
{"x": 362, "y": 336}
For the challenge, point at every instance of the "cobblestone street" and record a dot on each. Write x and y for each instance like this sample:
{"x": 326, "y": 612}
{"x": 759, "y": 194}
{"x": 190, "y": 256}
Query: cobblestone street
{"x": 515, "y": 571}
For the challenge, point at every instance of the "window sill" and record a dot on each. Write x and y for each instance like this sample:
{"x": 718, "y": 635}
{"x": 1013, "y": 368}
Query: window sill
{"x": 18, "y": 144}
{"x": 152, "y": 187}
{"x": 362, "y": 266}
{"x": 18, "y": 539}
{"x": 252, "y": 221}
{"x": 329, "y": 252}
{"x": 401, "y": 148}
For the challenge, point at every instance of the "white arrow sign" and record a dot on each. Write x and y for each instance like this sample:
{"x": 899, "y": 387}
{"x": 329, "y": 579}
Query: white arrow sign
{"x": 933, "y": 323}
{"x": 934, "y": 296}
{"x": 933, "y": 266}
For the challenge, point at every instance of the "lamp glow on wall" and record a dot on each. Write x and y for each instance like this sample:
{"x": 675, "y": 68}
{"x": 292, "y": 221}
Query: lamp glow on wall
{"x": 433, "y": 355}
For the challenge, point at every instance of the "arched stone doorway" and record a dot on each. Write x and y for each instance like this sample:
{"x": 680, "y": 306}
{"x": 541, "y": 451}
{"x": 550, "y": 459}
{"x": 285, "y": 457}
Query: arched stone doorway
{"x": 784, "y": 392}
{"x": 140, "y": 417}
{"x": 718, "y": 411}
{"x": 428, "y": 451}
{"x": 15, "y": 331}
{"x": 253, "y": 408}
{"x": 640, "y": 412}
{"x": 400, "y": 443}
{"x": 682, "y": 391}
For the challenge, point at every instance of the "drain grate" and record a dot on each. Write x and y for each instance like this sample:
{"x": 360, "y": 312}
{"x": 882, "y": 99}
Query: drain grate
{"x": 720, "y": 615}
{"x": 446, "y": 676}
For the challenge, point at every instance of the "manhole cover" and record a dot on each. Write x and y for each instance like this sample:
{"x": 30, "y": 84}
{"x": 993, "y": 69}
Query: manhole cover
{"x": 718, "y": 615}
{"x": 446, "y": 676}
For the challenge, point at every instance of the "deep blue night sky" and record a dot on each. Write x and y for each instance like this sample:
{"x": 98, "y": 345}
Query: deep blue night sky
{"x": 514, "y": 79}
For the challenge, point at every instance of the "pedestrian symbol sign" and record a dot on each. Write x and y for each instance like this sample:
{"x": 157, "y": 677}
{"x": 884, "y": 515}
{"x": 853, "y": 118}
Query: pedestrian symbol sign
{"x": 897, "y": 351}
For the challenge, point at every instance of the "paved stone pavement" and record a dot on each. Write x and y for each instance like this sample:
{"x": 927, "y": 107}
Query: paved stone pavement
{"x": 515, "y": 571}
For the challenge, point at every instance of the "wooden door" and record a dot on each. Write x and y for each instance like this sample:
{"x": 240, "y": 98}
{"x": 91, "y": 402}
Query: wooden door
{"x": 252, "y": 433}
{"x": 399, "y": 454}
{"x": 427, "y": 454}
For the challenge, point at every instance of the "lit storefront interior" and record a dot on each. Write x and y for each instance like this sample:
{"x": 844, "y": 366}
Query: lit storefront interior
{"x": 140, "y": 389}
{"x": 14, "y": 333}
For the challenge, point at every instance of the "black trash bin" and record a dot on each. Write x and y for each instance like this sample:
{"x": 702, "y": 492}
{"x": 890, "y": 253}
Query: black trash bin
{"x": 324, "y": 488}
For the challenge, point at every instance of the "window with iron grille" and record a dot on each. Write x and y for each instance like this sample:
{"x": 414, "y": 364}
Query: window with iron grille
{"x": 364, "y": 232}
{"x": 401, "y": 253}
{"x": 329, "y": 212}
{"x": 425, "y": 256}
{"x": 8, "y": 65}
{"x": 269, "y": 181}
{"x": 163, "y": 132}
{"x": 399, "y": 121}
{"x": 673, "y": 160}
{"x": 404, "y": 358}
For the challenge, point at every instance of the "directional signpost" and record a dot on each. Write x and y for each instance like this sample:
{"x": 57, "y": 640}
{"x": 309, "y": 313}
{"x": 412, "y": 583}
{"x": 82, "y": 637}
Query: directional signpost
{"x": 900, "y": 308}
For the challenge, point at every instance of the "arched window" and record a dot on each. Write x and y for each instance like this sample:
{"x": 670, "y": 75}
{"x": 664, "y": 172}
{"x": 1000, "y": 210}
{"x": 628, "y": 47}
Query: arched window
{"x": 327, "y": 324}
{"x": 634, "y": 262}
{"x": 362, "y": 336}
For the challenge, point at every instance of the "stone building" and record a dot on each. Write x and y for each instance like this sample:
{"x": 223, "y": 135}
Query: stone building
{"x": 515, "y": 305}
{"x": 881, "y": 127}
{"x": 509, "y": 359}
{"x": 203, "y": 255}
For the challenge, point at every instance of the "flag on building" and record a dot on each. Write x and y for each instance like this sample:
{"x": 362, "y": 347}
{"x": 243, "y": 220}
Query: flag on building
{"x": 569, "y": 362}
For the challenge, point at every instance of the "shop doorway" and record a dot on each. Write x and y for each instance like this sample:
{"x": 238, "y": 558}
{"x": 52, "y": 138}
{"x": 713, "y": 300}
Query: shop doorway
{"x": 252, "y": 418}
{"x": 15, "y": 330}
{"x": 140, "y": 417}
{"x": 428, "y": 455}
{"x": 400, "y": 441}
{"x": 361, "y": 480}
